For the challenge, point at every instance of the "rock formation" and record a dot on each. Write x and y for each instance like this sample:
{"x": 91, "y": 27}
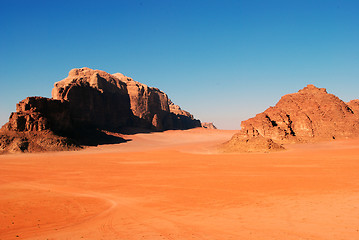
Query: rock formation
{"x": 34, "y": 141}
{"x": 37, "y": 125}
{"x": 96, "y": 99}
{"x": 146, "y": 102}
{"x": 354, "y": 106}
{"x": 153, "y": 109}
{"x": 208, "y": 125}
{"x": 243, "y": 143}
{"x": 85, "y": 107}
{"x": 39, "y": 114}
{"x": 311, "y": 114}
{"x": 180, "y": 118}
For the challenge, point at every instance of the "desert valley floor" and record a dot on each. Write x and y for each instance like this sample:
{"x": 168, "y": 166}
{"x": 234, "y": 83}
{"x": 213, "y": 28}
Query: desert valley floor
{"x": 174, "y": 185}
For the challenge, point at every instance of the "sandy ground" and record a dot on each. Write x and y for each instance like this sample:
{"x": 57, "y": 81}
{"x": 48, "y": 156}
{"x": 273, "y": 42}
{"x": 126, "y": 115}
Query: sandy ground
{"x": 173, "y": 185}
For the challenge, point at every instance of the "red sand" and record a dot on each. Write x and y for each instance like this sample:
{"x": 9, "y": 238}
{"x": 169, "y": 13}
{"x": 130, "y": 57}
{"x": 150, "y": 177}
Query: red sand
{"x": 173, "y": 185}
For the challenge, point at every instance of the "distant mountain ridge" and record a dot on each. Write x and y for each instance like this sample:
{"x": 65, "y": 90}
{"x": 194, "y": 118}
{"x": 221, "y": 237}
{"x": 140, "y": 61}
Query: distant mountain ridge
{"x": 85, "y": 107}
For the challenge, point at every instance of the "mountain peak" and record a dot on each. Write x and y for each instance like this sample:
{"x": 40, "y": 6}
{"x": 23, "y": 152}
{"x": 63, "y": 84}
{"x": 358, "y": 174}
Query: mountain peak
{"x": 310, "y": 88}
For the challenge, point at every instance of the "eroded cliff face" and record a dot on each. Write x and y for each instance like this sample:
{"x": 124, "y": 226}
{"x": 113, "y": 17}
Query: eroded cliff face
{"x": 39, "y": 114}
{"x": 148, "y": 104}
{"x": 96, "y": 99}
{"x": 39, "y": 124}
{"x": 182, "y": 119}
{"x": 311, "y": 114}
{"x": 86, "y": 105}
{"x": 153, "y": 109}
{"x": 114, "y": 102}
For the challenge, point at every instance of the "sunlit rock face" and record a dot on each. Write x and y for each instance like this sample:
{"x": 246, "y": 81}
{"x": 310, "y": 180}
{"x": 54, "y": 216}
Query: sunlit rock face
{"x": 311, "y": 114}
{"x": 114, "y": 101}
{"x": 97, "y": 99}
{"x": 86, "y": 105}
{"x": 153, "y": 109}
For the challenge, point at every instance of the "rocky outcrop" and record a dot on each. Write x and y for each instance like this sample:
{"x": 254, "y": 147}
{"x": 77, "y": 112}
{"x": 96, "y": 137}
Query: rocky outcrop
{"x": 96, "y": 99}
{"x": 114, "y": 102}
{"x": 153, "y": 109}
{"x": 88, "y": 108}
{"x": 40, "y": 114}
{"x": 311, "y": 114}
{"x": 175, "y": 109}
{"x": 208, "y": 125}
{"x": 354, "y": 106}
{"x": 39, "y": 124}
{"x": 146, "y": 102}
{"x": 244, "y": 143}
{"x": 34, "y": 141}
{"x": 181, "y": 119}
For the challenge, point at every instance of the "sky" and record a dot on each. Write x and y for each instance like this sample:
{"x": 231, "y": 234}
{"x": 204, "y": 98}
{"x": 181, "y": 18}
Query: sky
{"x": 223, "y": 61}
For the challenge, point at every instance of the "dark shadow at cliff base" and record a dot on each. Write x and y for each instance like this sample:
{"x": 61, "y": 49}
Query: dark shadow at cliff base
{"x": 166, "y": 121}
{"x": 97, "y": 137}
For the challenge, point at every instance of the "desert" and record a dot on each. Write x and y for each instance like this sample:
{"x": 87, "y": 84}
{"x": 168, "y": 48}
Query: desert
{"x": 179, "y": 120}
{"x": 174, "y": 185}
{"x": 111, "y": 158}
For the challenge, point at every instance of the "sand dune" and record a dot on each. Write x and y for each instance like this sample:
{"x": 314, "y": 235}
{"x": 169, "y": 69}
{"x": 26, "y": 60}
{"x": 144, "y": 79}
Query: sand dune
{"x": 174, "y": 185}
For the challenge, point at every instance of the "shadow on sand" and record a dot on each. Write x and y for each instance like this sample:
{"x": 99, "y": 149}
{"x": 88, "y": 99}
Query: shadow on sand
{"x": 98, "y": 137}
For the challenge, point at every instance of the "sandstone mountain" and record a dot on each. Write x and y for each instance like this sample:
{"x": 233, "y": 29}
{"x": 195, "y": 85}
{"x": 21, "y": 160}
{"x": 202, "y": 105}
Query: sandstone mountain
{"x": 311, "y": 114}
{"x": 85, "y": 107}
{"x": 96, "y": 99}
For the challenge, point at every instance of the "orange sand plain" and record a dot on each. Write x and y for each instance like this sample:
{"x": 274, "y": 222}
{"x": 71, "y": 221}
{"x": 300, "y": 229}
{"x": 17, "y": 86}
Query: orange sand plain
{"x": 173, "y": 185}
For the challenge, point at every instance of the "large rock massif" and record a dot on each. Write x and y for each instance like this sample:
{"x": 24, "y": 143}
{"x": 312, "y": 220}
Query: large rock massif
{"x": 96, "y": 99}
{"x": 309, "y": 115}
{"x": 84, "y": 108}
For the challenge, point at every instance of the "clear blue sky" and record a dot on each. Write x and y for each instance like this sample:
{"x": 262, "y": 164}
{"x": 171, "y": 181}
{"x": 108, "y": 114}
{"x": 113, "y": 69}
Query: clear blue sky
{"x": 224, "y": 61}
